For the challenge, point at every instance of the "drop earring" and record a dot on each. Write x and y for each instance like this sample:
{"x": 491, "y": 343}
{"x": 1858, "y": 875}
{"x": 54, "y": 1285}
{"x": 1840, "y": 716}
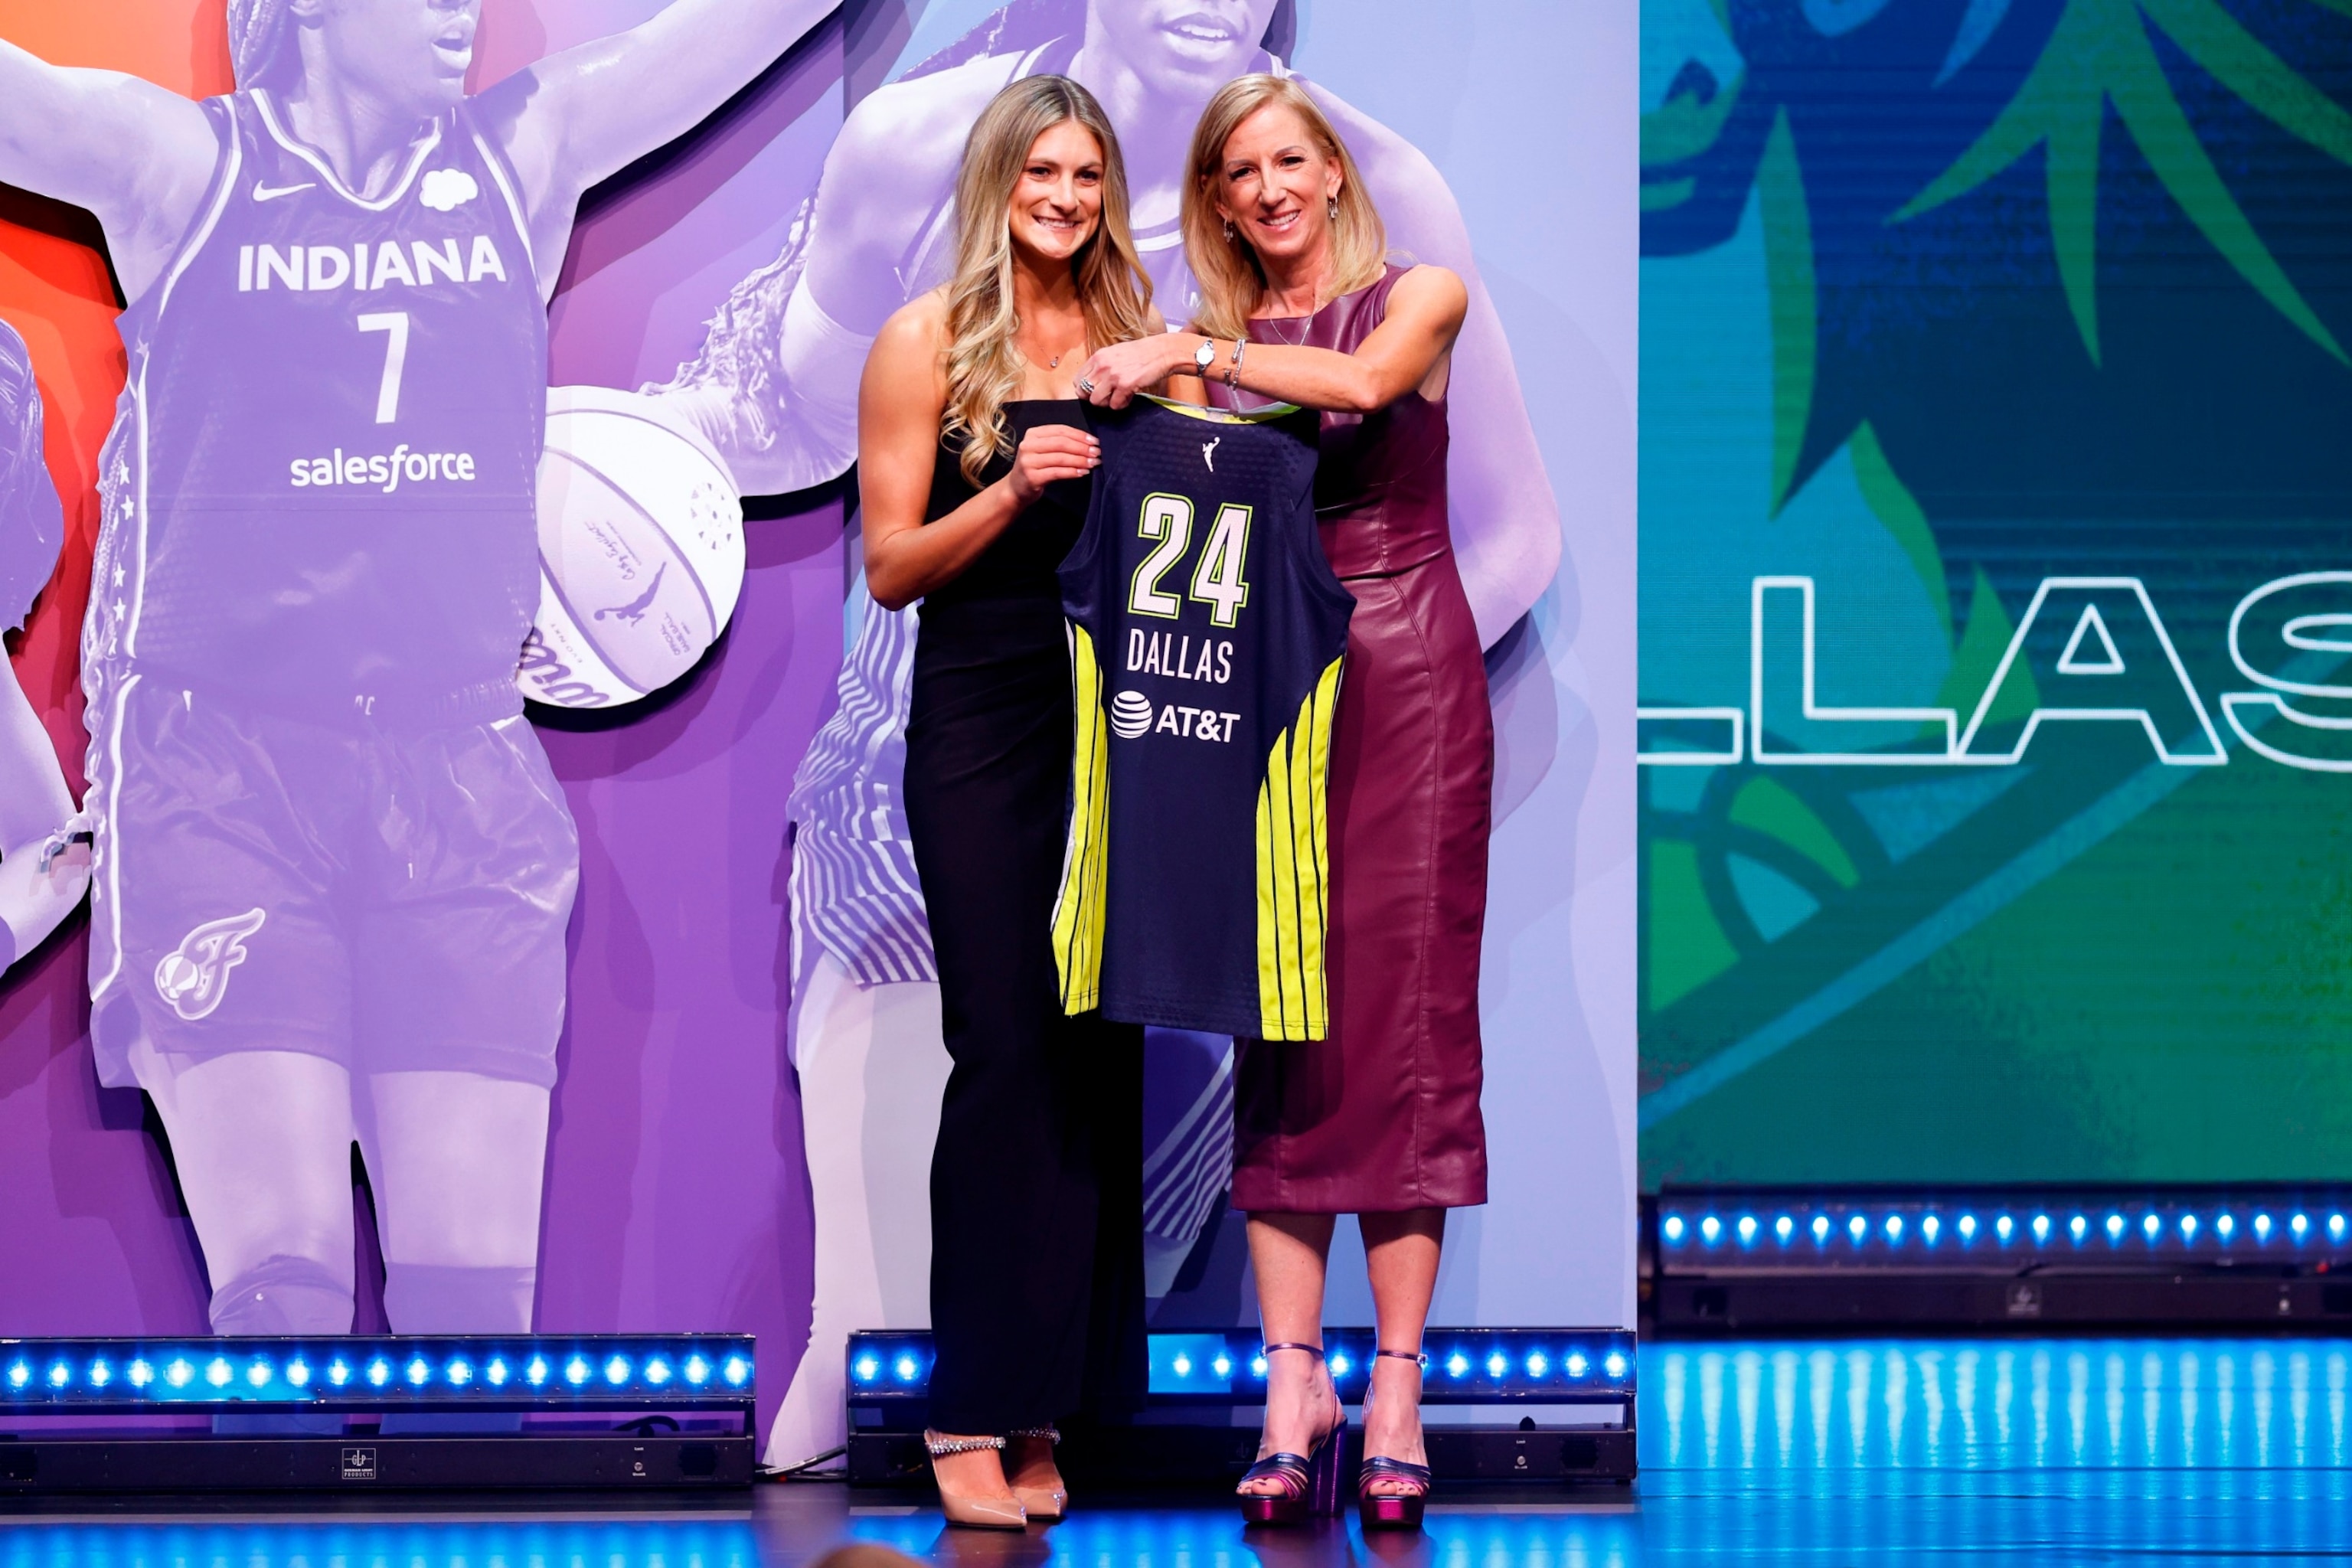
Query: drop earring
{"x": 1331, "y": 208}
{"x": 1229, "y": 231}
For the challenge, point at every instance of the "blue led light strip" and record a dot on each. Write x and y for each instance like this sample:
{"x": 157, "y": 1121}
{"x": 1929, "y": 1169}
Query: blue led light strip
{"x": 2000, "y": 1229}
{"x": 1467, "y": 1366}
{"x": 373, "y": 1373}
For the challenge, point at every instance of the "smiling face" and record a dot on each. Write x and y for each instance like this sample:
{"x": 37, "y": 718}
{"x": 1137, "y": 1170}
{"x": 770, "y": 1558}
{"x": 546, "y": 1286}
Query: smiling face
{"x": 1057, "y": 198}
{"x": 1277, "y": 184}
{"x": 1183, "y": 48}
{"x": 411, "y": 53}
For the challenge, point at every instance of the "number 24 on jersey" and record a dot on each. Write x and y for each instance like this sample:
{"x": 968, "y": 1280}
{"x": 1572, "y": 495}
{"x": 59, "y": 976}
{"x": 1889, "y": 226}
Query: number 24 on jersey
{"x": 1217, "y": 577}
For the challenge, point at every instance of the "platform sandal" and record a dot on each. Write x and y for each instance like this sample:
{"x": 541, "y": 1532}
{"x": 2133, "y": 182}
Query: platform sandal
{"x": 1393, "y": 1510}
{"x": 973, "y": 1512}
{"x": 1044, "y": 1505}
{"x": 1310, "y": 1481}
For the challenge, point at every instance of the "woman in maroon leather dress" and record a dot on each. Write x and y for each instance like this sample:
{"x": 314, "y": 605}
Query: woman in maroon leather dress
{"x": 1380, "y": 1119}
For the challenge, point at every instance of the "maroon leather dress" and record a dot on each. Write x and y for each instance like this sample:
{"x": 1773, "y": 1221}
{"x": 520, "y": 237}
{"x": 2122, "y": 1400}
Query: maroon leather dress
{"x": 1382, "y": 1113}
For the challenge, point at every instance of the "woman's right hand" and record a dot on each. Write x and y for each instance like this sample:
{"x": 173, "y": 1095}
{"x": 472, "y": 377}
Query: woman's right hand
{"x": 1051, "y": 452}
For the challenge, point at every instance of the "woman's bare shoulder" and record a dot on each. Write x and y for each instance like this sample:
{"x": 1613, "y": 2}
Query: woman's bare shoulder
{"x": 917, "y": 328}
{"x": 1439, "y": 290}
{"x": 909, "y": 358}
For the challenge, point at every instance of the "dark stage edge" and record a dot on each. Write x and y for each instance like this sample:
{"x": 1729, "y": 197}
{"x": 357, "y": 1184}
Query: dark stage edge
{"x": 49, "y": 1465}
{"x": 1858, "y": 1300}
{"x": 1818, "y": 1453}
{"x": 1171, "y": 1457}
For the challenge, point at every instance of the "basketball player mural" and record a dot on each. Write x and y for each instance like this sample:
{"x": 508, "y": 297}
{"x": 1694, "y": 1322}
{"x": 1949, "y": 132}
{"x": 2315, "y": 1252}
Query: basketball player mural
{"x": 332, "y": 869}
{"x": 44, "y": 867}
{"x": 775, "y": 388}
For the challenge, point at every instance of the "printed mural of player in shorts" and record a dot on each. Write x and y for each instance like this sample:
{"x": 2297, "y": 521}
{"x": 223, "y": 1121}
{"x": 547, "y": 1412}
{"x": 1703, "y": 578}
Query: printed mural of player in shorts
{"x": 332, "y": 869}
{"x": 44, "y": 867}
{"x": 775, "y": 388}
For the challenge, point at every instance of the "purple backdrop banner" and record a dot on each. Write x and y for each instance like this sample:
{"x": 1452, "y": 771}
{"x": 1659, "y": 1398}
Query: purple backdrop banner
{"x": 678, "y": 1189}
{"x": 675, "y": 1196}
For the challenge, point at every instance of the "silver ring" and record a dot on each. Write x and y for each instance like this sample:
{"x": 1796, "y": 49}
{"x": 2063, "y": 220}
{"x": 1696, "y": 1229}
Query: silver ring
{"x": 1085, "y": 388}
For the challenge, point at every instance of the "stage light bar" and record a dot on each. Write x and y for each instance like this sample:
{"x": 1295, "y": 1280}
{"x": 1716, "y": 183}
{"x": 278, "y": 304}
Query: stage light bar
{"x": 1716, "y": 1231}
{"x": 363, "y": 1373}
{"x": 1467, "y": 1366}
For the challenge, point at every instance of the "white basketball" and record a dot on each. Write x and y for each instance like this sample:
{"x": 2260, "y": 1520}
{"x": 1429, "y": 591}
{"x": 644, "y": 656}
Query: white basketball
{"x": 640, "y": 550}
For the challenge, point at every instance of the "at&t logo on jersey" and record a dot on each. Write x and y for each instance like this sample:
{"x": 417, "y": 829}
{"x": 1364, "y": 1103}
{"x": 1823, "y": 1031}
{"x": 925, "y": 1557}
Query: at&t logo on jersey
{"x": 1130, "y": 715}
{"x": 1130, "y": 719}
{"x": 194, "y": 976}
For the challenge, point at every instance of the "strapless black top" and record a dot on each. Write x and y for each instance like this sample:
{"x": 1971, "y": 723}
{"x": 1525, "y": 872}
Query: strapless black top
{"x": 1020, "y": 562}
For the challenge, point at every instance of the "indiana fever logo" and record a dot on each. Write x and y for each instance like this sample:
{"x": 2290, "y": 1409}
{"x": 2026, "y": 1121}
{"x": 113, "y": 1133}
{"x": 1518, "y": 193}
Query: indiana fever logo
{"x": 194, "y": 976}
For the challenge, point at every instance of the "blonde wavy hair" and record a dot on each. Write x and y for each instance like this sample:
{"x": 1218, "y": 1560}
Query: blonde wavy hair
{"x": 1231, "y": 277}
{"x": 984, "y": 369}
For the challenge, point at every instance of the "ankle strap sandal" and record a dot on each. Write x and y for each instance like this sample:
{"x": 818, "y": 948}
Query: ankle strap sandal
{"x": 1309, "y": 1481}
{"x": 1397, "y": 1509}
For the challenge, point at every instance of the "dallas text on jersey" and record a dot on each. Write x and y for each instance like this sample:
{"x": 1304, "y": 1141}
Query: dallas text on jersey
{"x": 1171, "y": 653}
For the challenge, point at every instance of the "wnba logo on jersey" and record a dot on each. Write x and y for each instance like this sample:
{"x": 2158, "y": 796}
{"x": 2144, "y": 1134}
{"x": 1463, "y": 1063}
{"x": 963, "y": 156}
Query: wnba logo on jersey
{"x": 194, "y": 976}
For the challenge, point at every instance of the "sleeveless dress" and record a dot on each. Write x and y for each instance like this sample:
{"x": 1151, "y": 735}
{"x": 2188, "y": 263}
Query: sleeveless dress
{"x": 1036, "y": 1179}
{"x": 1382, "y": 1113}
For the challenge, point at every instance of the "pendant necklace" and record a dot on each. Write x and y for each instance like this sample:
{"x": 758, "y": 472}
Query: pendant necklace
{"x": 1300, "y": 341}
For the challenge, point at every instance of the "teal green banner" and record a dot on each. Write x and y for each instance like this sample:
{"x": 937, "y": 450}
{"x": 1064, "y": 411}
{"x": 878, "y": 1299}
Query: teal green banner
{"x": 1996, "y": 618}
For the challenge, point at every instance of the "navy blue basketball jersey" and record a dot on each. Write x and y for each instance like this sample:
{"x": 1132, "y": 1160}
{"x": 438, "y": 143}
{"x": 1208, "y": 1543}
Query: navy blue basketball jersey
{"x": 1206, "y": 635}
{"x": 323, "y": 475}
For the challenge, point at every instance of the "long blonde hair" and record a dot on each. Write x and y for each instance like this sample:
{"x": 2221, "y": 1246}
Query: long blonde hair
{"x": 1231, "y": 277}
{"x": 985, "y": 370}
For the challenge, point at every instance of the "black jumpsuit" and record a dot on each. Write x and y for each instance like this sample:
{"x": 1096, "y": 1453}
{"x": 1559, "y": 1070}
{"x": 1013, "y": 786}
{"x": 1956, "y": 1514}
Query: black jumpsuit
{"x": 1037, "y": 1182}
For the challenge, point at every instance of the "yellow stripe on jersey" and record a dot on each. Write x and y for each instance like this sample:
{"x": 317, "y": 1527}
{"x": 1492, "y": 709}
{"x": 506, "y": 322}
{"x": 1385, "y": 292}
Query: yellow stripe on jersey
{"x": 1078, "y": 906}
{"x": 1294, "y": 871}
{"x": 1265, "y": 416}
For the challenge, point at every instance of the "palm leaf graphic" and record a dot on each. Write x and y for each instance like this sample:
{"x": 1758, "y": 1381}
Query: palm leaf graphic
{"x": 2099, "y": 55}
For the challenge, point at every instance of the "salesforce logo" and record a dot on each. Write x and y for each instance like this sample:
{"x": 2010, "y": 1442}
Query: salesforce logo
{"x": 1130, "y": 715}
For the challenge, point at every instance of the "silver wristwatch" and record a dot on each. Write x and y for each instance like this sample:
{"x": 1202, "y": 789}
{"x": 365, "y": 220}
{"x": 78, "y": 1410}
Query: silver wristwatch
{"x": 1204, "y": 356}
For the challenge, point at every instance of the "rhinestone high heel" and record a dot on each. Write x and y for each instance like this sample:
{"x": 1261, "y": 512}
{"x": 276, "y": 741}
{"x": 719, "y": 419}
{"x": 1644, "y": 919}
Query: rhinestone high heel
{"x": 961, "y": 1508}
{"x": 1310, "y": 1481}
{"x": 1393, "y": 1510}
{"x": 1044, "y": 1505}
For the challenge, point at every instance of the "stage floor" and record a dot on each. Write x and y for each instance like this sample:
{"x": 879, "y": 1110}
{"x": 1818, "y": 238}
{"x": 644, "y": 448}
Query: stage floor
{"x": 1982, "y": 1451}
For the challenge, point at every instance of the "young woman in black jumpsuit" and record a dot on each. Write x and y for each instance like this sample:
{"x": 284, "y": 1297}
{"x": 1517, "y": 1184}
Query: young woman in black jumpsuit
{"x": 974, "y": 464}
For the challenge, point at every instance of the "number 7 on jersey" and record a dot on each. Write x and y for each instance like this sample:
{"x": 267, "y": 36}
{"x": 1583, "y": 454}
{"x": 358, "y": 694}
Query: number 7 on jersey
{"x": 395, "y": 360}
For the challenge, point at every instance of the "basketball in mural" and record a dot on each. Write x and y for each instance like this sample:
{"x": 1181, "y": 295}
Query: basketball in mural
{"x": 641, "y": 551}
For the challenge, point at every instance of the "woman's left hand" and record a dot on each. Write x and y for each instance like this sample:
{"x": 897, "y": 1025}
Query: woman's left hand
{"x": 1115, "y": 375}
